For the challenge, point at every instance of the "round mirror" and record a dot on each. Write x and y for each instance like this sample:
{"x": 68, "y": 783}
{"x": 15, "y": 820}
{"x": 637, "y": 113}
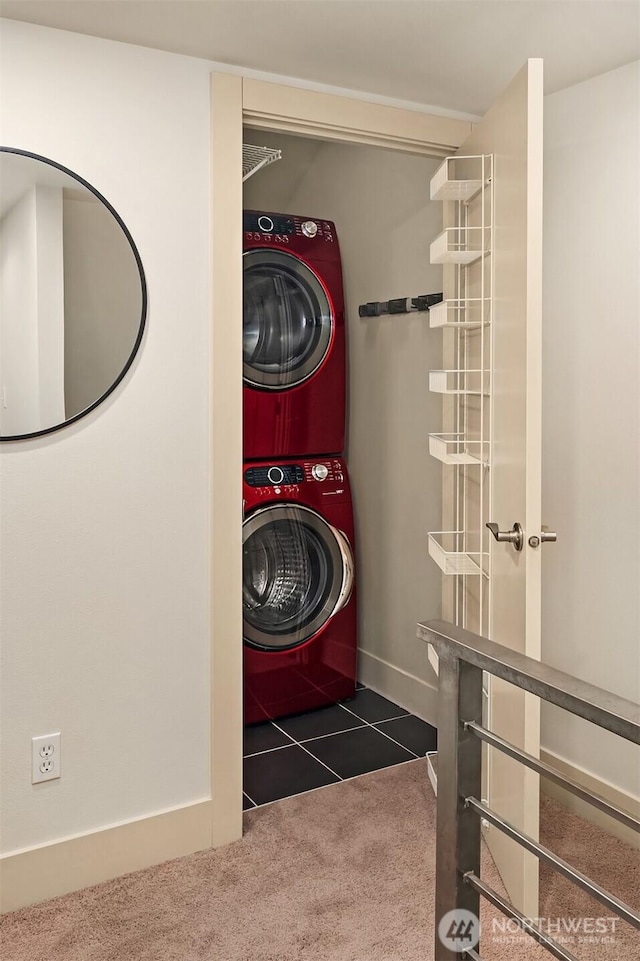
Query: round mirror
{"x": 73, "y": 296}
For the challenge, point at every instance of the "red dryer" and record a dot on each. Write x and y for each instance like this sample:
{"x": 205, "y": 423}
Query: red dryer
{"x": 299, "y": 606}
{"x": 293, "y": 337}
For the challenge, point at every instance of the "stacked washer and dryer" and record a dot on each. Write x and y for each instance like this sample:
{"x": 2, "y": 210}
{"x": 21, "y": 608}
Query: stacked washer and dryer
{"x": 299, "y": 605}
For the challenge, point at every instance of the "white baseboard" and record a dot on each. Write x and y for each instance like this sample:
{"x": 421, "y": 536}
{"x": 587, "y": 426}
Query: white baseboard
{"x": 43, "y": 872}
{"x": 410, "y": 692}
{"x": 610, "y": 792}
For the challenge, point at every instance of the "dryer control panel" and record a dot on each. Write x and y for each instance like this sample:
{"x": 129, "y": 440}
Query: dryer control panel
{"x": 323, "y": 470}
{"x": 279, "y": 228}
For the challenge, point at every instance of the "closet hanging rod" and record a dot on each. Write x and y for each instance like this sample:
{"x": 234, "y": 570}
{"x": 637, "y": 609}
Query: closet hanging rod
{"x": 401, "y": 305}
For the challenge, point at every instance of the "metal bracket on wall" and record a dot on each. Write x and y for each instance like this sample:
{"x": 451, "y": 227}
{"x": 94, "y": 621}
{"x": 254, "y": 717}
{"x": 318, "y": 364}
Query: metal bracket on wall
{"x": 402, "y": 305}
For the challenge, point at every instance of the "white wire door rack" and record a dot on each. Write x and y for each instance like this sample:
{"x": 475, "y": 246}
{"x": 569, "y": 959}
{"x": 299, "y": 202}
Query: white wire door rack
{"x": 463, "y": 445}
{"x": 462, "y": 550}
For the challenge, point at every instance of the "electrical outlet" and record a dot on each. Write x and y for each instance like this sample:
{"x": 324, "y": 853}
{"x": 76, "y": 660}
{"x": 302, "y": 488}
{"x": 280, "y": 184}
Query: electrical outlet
{"x": 45, "y": 757}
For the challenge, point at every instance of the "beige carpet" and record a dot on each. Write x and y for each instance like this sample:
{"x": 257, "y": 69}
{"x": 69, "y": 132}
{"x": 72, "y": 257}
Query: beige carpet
{"x": 344, "y": 873}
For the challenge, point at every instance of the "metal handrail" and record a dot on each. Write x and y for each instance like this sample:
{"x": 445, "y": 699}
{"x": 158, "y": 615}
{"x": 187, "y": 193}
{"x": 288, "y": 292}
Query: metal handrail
{"x": 553, "y": 775}
{"x": 593, "y": 703}
{"x": 463, "y": 656}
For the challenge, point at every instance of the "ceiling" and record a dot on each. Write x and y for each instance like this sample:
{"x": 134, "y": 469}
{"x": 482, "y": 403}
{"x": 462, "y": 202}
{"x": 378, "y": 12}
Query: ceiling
{"x": 455, "y": 55}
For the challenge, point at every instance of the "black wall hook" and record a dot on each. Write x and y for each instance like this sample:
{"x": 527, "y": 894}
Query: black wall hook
{"x": 402, "y": 305}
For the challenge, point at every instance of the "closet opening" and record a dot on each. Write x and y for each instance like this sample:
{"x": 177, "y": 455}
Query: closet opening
{"x": 336, "y": 568}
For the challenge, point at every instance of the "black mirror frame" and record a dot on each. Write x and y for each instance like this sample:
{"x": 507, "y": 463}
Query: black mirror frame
{"x": 143, "y": 285}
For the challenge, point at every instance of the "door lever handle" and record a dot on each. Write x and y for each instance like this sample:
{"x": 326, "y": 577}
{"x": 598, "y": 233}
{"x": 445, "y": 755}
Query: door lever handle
{"x": 515, "y": 536}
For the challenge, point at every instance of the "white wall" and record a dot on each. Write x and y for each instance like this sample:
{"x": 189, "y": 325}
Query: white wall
{"x": 105, "y": 593}
{"x": 591, "y": 429}
{"x": 384, "y": 222}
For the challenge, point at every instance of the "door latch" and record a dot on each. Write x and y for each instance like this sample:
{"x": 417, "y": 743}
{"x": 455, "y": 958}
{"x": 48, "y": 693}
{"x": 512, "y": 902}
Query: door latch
{"x": 545, "y": 537}
{"x": 515, "y": 536}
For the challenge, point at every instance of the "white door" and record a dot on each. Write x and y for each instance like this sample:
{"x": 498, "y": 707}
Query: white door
{"x": 504, "y": 604}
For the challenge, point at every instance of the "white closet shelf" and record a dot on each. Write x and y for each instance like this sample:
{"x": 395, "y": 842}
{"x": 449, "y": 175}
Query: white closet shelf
{"x": 255, "y": 158}
{"x": 456, "y": 449}
{"x": 467, "y": 312}
{"x": 459, "y": 245}
{"x": 445, "y": 185}
{"x": 444, "y": 550}
{"x": 459, "y": 381}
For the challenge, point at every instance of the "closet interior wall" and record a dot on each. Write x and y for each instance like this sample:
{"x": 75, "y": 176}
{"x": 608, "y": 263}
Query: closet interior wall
{"x": 379, "y": 201}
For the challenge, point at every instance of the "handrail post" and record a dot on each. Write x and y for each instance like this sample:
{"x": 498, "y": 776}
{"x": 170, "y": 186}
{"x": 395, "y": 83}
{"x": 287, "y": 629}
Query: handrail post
{"x": 459, "y": 776}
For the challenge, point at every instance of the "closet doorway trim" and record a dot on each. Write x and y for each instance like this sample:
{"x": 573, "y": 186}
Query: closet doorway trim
{"x": 293, "y": 110}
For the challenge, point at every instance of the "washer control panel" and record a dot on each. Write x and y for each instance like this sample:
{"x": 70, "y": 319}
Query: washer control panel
{"x": 283, "y": 475}
{"x": 274, "y": 476}
{"x": 279, "y": 228}
{"x": 268, "y": 223}
{"x": 319, "y": 471}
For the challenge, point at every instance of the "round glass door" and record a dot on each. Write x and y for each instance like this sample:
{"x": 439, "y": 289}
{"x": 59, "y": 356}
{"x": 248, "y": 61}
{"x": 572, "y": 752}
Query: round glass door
{"x": 287, "y": 320}
{"x": 294, "y": 576}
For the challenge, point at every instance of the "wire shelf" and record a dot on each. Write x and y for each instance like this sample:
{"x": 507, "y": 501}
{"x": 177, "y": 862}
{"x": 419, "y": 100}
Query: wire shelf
{"x": 256, "y": 158}
{"x": 459, "y": 381}
{"x": 446, "y": 186}
{"x": 457, "y": 449}
{"x": 444, "y": 549}
{"x": 466, "y": 313}
{"x": 460, "y": 245}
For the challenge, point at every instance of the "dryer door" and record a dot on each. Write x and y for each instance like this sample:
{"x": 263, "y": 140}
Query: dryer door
{"x": 298, "y": 572}
{"x": 287, "y": 320}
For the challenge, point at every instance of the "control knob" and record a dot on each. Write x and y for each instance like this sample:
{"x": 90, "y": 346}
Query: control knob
{"x": 275, "y": 475}
{"x": 320, "y": 471}
{"x": 309, "y": 228}
{"x": 265, "y": 224}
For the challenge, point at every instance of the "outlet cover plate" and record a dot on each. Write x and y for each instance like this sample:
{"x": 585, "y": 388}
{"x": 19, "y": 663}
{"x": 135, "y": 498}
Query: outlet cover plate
{"x": 45, "y": 758}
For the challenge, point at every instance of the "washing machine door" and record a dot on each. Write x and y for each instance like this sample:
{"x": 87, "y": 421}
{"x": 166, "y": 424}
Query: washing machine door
{"x": 298, "y": 572}
{"x": 287, "y": 320}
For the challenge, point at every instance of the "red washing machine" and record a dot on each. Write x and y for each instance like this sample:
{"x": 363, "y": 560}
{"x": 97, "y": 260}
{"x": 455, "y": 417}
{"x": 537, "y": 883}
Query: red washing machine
{"x": 299, "y": 605}
{"x": 293, "y": 337}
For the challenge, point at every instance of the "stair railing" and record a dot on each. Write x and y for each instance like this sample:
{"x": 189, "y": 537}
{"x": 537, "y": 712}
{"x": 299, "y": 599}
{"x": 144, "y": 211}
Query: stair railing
{"x": 463, "y": 656}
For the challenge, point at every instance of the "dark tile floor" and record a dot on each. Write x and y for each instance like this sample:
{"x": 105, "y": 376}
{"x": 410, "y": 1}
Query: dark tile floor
{"x": 297, "y": 754}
